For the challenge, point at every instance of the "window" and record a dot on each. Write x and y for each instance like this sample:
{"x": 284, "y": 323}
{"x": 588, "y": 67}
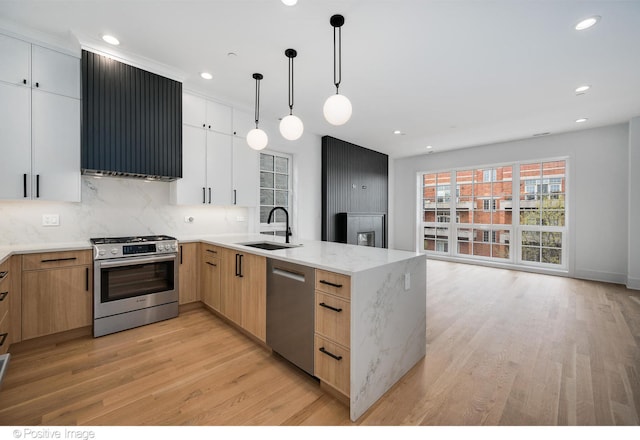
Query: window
{"x": 489, "y": 175}
{"x": 525, "y": 201}
{"x": 489, "y": 205}
{"x": 275, "y": 190}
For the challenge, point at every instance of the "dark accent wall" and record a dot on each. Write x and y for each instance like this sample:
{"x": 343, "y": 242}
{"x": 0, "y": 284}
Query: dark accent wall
{"x": 354, "y": 180}
{"x": 131, "y": 119}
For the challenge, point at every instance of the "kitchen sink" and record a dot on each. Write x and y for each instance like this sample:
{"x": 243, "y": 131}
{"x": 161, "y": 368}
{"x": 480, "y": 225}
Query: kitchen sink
{"x": 269, "y": 245}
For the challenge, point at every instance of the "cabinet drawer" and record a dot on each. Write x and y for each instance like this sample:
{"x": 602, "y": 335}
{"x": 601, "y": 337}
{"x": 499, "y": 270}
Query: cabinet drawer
{"x": 210, "y": 251}
{"x": 333, "y": 318}
{"x": 334, "y": 283}
{"x": 5, "y": 337}
{"x": 50, "y": 260}
{"x": 4, "y": 296}
{"x": 335, "y": 372}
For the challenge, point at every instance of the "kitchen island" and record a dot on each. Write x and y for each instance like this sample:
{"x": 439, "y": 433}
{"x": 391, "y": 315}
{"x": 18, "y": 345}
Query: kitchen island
{"x": 387, "y": 299}
{"x": 387, "y": 303}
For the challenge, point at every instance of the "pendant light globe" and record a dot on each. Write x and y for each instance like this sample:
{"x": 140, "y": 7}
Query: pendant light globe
{"x": 257, "y": 139}
{"x": 337, "y": 109}
{"x": 291, "y": 127}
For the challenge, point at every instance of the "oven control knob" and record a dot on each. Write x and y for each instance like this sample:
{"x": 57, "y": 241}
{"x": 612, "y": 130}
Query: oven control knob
{"x": 114, "y": 251}
{"x": 161, "y": 247}
{"x": 174, "y": 247}
{"x": 102, "y": 253}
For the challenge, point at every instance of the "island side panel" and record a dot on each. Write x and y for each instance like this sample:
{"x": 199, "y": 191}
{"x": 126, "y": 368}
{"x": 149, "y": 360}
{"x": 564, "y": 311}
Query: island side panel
{"x": 388, "y": 328}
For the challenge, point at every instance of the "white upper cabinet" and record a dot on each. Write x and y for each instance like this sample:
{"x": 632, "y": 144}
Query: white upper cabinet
{"x": 39, "y": 123}
{"x": 55, "y": 72}
{"x": 200, "y": 112}
{"x": 246, "y": 174}
{"x": 218, "y": 169}
{"x": 56, "y": 152}
{"x": 242, "y": 123}
{"x": 15, "y": 141}
{"x": 218, "y": 117}
{"x": 16, "y": 61}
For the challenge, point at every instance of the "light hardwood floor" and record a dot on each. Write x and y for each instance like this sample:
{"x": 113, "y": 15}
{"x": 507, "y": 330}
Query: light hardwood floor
{"x": 504, "y": 348}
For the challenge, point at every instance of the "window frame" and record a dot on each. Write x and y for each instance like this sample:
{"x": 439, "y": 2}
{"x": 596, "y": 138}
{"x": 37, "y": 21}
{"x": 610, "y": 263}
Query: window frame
{"x": 274, "y": 227}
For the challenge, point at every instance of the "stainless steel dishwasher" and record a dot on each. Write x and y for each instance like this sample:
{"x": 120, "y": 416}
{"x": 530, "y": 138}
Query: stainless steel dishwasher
{"x": 290, "y": 311}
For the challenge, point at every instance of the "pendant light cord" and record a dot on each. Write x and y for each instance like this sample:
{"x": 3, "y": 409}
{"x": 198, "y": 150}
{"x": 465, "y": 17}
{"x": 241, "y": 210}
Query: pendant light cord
{"x": 290, "y": 85}
{"x": 257, "y": 111}
{"x": 337, "y": 73}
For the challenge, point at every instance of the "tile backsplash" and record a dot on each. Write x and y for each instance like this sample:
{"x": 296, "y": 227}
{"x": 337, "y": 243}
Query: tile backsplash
{"x": 114, "y": 207}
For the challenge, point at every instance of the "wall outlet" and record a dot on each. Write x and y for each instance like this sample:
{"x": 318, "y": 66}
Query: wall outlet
{"x": 188, "y": 219}
{"x": 50, "y": 220}
{"x": 407, "y": 281}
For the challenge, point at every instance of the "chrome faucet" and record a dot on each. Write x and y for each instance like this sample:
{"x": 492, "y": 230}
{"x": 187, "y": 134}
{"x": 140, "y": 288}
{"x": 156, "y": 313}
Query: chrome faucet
{"x": 287, "y": 232}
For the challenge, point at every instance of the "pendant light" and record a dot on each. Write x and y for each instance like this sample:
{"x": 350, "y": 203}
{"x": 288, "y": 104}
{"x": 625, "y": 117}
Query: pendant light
{"x": 291, "y": 127}
{"x": 337, "y": 108}
{"x": 256, "y": 138}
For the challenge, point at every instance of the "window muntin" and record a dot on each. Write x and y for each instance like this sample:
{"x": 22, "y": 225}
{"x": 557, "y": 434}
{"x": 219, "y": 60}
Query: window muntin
{"x": 436, "y": 212}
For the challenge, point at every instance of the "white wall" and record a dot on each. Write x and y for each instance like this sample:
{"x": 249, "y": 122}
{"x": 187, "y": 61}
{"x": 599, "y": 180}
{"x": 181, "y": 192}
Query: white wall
{"x": 633, "y": 276}
{"x": 597, "y": 201}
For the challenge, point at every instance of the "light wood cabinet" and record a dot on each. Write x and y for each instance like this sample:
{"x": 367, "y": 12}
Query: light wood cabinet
{"x": 244, "y": 291}
{"x": 39, "y": 123}
{"x": 5, "y": 299}
{"x": 57, "y": 293}
{"x": 210, "y": 270}
{"x": 332, "y": 358}
{"x": 188, "y": 273}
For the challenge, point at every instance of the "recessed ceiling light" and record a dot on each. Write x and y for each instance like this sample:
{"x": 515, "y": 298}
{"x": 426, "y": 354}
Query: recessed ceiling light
{"x": 587, "y": 23}
{"x": 583, "y": 89}
{"x": 429, "y": 147}
{"x": 290, "y": 2}
{"x": 110, "y": 39}
{"x": 232, "y": 54}
{"x": 206, "y": 75}
{"x": 397, "y": 132}
{"x": 581, "y": 120}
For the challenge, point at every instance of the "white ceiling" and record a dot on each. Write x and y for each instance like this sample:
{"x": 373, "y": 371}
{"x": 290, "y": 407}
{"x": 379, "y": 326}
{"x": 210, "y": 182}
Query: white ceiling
{"x": 450, "y": 74}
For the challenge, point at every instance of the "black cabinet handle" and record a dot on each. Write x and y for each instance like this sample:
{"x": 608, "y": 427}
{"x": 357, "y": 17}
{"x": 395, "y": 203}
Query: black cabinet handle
{"x": 330, "y": 284}
{"x": 241, "y": 271}
{"x": 3, "y": 337}
{"x": 24, "y": 184}
{"x": 209, "y": 127}
{"x": 329, "y": 307}
{"x": 3, "y": 275}
{"x": 239, "y": 265}
{"x": 180, "y": 254}
{"x": 37, "y": 185}
{"x": 204, "y": 200}
{"x": 235, "y": 197}
{"x": 3, "y": 295}
{"x": 213, "y": 252}
{"x": 328, "y": 353}
{"x": 37, "y": 84}
{"x": 58, "y": 259}
{"x": 24, "y": 81}
{"x": 209, "y": 194}
{"x": 204, "y": 125}
{"x": 211, "y": 264}
{"x": 86, "y": 279}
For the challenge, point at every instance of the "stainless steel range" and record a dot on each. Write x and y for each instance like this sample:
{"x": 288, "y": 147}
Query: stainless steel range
{"x": 135, "y": 282}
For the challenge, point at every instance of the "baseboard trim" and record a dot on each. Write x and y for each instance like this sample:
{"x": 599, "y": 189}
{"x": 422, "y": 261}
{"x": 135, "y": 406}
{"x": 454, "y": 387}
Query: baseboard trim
{"x": 596, "y": 275}
{"x": 633, "y": 283}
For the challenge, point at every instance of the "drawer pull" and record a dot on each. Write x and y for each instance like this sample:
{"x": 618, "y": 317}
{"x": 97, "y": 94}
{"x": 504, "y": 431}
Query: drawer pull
{"x": 3, "y": 337}
{"x": 328, "y": 353}
{"x": 3, "y": 275}
{"x": 3, "y": 295}
{"x": 53, "y": 260}
{"x": 329, "y": 307}
{"x": 328, "y": 283}
{"x": 213, "y": 252}
{"x": 212, "y": 264}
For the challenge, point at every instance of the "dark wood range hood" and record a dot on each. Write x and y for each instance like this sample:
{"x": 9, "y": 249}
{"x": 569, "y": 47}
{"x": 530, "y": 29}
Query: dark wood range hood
{"x": 131, "y": 121}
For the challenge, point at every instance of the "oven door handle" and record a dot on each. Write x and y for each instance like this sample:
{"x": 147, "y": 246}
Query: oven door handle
{"x": 132, "y": 261}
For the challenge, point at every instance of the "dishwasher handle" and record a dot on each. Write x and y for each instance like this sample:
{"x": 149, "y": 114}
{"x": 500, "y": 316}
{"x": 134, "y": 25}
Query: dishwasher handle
{"x": 288, "y": 274}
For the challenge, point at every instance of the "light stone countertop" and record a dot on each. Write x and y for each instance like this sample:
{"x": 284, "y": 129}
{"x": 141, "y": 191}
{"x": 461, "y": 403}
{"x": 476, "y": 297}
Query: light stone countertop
{"x": 336, "y": 257}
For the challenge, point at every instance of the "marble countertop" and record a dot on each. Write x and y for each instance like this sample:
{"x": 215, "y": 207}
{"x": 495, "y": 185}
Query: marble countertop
{"x": 336, "y": 257}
